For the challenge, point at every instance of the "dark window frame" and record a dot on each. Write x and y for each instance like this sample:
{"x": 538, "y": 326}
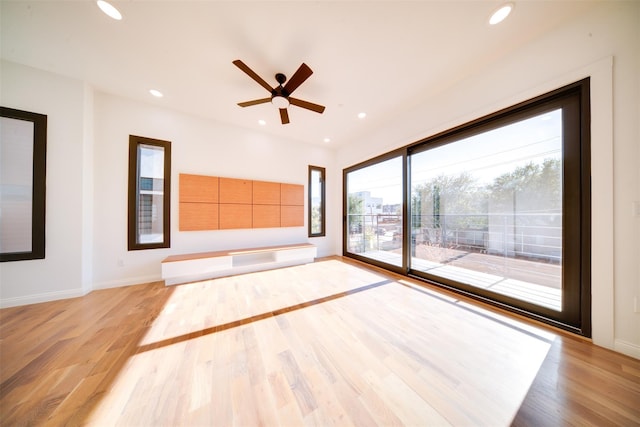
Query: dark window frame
{"x": 398, "y": 153}
{"x": 39, "y": 170}
{"x": 323, "y": 201}
{"x": 576, "y": 204}
{"x": 133, "y": 190}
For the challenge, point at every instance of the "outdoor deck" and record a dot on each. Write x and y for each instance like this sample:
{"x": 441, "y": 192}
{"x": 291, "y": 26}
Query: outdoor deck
{"x": 535, "y": 282}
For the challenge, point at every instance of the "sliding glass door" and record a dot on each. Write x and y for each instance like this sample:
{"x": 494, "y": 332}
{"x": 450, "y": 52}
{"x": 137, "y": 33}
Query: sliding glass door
{"x": 498, "y": 209}
{"x": 486, "y": 210}
{"x": 374, "y": 217}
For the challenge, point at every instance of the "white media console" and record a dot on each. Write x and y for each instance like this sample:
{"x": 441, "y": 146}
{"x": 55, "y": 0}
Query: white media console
{"x": 208, "y": 265}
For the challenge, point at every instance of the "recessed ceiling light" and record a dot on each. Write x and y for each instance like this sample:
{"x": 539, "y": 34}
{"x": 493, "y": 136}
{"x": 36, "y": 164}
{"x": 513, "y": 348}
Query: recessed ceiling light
{"x": 109, "y": 9}
{"x": 156, "y": 93}
{"x": 262, "y": 122}
{"x": 327, "y": 140}
{"x": 362, "y": 115}
{"x": 501, "y": 13}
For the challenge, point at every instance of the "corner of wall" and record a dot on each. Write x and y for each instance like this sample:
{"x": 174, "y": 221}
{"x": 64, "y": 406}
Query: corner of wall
{"x": 87, "y": 188}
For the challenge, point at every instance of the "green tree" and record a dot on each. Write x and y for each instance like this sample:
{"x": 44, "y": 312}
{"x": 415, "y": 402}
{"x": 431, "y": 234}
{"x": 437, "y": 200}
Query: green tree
{"x": 459, "y": 197}
{"x": 355, "y": 205}
{"x": 355, "y": 210}
{"x": 532, "y": 188}
{"x": 316, "y": 219}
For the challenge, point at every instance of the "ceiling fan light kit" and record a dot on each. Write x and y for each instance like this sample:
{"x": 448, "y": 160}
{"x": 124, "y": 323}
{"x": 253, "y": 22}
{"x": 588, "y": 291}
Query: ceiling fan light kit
{"x": 280, "y": 95}
{"x": 280, "y": 101}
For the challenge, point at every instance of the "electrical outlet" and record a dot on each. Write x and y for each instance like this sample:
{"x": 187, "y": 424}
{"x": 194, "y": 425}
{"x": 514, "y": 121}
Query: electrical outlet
{"x": 635, "y": 208}
{"x": 635, "y": 305}
{"x": 120, "y": 262}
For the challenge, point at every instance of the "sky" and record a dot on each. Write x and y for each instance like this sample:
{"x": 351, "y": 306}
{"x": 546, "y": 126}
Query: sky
{"x": 486, "y": 156}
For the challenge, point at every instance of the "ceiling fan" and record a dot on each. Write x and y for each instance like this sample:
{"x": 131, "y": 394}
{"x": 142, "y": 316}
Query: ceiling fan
{"x": 280, "y": 95}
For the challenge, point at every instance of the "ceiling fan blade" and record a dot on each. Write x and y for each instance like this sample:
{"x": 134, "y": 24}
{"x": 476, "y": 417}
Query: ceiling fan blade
{"x": 238, "y": 63}
{"x": 254, "y": 102}
{"x": 298, "y": 78}
{"x": 284, "y": 116}
{"x": 308, "y": 105}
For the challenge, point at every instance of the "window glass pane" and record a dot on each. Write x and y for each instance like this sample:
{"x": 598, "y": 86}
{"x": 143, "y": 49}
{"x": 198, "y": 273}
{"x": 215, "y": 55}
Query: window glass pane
{"x": 374, "y": 211}
{"x": 487, "y": 210}
{"x": 316, "y": 188}
{"x": 16, "y": 185}
{"x": 150, "y": 224}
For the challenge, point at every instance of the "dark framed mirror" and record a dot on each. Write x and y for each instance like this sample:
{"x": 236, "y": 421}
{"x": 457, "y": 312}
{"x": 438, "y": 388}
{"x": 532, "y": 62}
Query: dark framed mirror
{"x": 23, "y": 150}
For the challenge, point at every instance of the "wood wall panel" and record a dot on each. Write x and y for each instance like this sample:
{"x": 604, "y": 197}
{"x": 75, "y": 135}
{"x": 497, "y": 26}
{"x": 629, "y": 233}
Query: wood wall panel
{"x": 266, "y": 216}
{"x": 292, "y": 194}
{"x": 236, "y": 191}
{"x": 266, "y": 193}
{"x": 234, "y": 215}
{"x": 198, "y": 216}
{"x": 292, "y": 216}
{"x": 198, "y": 188}
{"x": 214, "y": 203}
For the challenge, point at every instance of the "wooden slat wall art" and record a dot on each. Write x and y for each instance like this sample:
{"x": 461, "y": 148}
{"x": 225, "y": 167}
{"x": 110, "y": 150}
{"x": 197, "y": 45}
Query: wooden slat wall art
{"x": 238, "y": 191}
{"x": 292, "y": 216}
{"x": 292, "y": 195}
{"x": 213, "y": 203}
{"x": 236, "y": 197}
{"x": 292, "y": 202}
{"x": 266, "y": 216}
{"x": 199, "y": 202}
{"x": 198, "y": 189}
{"x": 199, "y": 216}
{"x": 235, "y": 215}
{"x": 266, "y": 204}
{"x": 266, "y": 193}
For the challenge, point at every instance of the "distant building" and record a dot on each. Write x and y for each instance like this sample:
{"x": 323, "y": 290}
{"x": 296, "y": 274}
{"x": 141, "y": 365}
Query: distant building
{"x": 370, "y": 205}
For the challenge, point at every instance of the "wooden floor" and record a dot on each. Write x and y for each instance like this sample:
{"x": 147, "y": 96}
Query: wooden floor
{"x": 329, "y": 343}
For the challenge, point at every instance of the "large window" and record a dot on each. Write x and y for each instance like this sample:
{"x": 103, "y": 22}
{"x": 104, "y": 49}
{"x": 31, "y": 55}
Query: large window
{"x": 317, "y": 196}
{"x": 486, "y": 210}
{"x": 374, "y": 217}
{"x": 149, "y": 193}
{"x": 498, "y": 209}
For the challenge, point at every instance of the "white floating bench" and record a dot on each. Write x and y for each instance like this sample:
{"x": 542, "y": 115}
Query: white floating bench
{"x": 208, "y": 265}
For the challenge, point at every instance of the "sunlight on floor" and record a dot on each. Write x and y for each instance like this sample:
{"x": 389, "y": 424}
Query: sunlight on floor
{"x": 213, "y": 303}
{"x": 389, "y": 352}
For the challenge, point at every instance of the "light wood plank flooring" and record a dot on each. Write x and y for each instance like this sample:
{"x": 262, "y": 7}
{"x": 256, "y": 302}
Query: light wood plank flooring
{"x": 328, "y": 343}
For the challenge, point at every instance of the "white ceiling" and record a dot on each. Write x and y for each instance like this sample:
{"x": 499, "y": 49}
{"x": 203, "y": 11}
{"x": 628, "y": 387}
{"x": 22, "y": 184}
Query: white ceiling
{"x": 380, "y": 57}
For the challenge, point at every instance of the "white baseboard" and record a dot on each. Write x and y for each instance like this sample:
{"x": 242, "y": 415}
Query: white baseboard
{"x": 38, "y": 298}
{"x": 126, "y": 282}
{"x": 630, "y": 349}
{"x": 58, "y": 295}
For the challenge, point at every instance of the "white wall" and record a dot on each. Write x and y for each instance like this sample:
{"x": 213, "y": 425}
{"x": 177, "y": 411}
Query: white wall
{"x": 605, "y": 45}
{"x": 87, "y": 158}
{"x": 60, "y": 274}
{"x": 198, "y": 147}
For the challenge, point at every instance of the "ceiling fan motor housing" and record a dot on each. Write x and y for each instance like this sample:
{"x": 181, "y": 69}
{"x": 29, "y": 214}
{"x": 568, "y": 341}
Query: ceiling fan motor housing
{"x": 280, "y": 90}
